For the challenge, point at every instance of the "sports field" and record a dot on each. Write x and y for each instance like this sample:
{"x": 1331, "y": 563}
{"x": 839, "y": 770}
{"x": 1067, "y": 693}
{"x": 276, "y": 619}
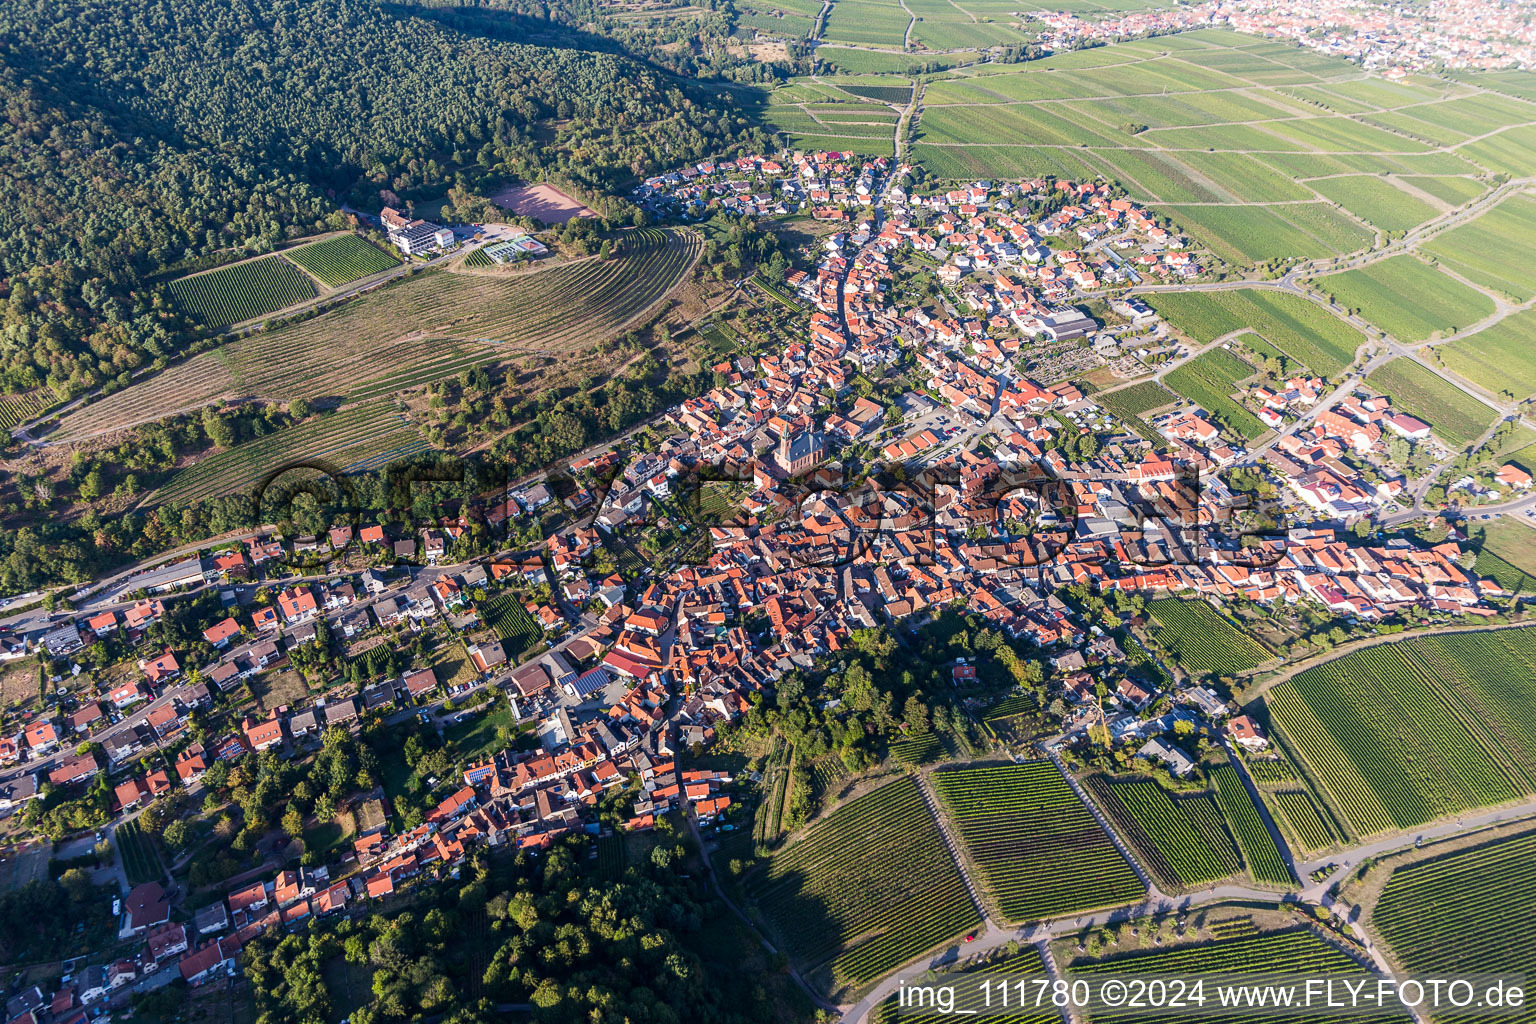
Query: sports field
{"x": 1208, "y": 124}
{"x": 417, "y": 330}
{"x": 1454, "y": 416}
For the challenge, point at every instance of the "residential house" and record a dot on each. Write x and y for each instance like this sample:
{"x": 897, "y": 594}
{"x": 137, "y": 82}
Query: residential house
{"x": 145, "y": 907}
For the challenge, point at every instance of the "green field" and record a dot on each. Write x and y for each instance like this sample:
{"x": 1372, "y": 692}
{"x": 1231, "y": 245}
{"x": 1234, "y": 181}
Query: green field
{"x": 241, "y": 292}
{"x": 1497, "y": 250}
{"x": 1220, "y": 121}
{"x": 1506, "y": 554}
{"x": 1456, "y": 417}
{"x": 423, "y": 328}
{"x": 1182, "y": 841}
{"x": 1405, "y": 733}
{"x": 139, "y": 861}
{"x": 1129, "y": 403}
{"x": 344, "y": 258}
{"x": 862, "y": 62}
{"x": 1203, "y": 642}
{"x": 919, "y": 750}
{"x": 867, "y": 23}
{"x": 1376, "y": 200}
{"x": 1300, "y": 951}
{"x": 1039, "y": 852}
{"x": 18, "y": 408}
{"x": 868, "y": 888}
{"x": 1500, "y": 358}
{"x": 1464, "y": 912}
{"x": 1410, "y": 300}
{"x": 1260, "y": 853}
{"x": 1295, "y": 326}
{"x": 1209, "y": 380}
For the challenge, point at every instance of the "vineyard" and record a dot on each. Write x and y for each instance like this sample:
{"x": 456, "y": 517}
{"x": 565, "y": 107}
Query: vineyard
{"x": 768, "y": 825}
{"x": 17, "y": 409}
{"x": 868, "y": 888}
{"x": 1298, "y": 951}
{"x": 1183, "y": 841}
{"x": 343, "y": 439}
{"x": 511, "y": 623}
{"x": 417, "y": 330}
{"x": 1404, "y": 733}
{"x": 242, "y": 291}
{"x": 344, "y": 258}
{"x": 1463, "y": 913}
{"x": 1306, "y": 822}
{"x": 1203, "y": 642}
{"x": 1039, "y": 851}
{"x": 1260, "y": 853}
{"x": 919, "y": 750}
{"x": 971, "y": 1002}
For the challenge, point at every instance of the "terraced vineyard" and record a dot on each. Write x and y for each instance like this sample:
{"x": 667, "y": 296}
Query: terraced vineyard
{"x": 1039, "y": 851}
{"x": 344, "y": 439}
{"x": 241, "y": 292}
{"x": 869, "y": 887}
{"x": 1299, "y": 951}
{"x": 344, "y": 258}
{"x": 415, "y": 331}
{"x": 1404, "y": 733}
{"x": 18, "y": 408}
{"x": 919, "y": 750}
{"x": 1258, "y": 847}
{"x": 1183, "y": 842}
{"x": 1467, "y": 912}
{"x": 1202, "y": 641}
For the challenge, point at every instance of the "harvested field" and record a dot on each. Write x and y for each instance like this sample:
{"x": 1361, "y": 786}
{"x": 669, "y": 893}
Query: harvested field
{"x": 423, "y": 328}
{"x": 542, "y": 202}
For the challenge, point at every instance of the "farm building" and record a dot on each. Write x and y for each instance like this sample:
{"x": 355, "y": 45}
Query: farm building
{"x": 414, "y": 236}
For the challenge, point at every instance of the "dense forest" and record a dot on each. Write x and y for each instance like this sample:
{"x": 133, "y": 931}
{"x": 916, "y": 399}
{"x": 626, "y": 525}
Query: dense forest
{"x": 556, "y": 940}
{"x": 142, "y": 136}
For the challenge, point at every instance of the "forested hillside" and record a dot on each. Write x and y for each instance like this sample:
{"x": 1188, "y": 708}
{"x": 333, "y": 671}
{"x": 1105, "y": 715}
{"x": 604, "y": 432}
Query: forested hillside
{"x": 140, "y": 135}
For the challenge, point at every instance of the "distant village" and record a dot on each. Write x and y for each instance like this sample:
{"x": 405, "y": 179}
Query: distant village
{"x": 1457, "y": 34}
{"x": 637, "y": 673}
